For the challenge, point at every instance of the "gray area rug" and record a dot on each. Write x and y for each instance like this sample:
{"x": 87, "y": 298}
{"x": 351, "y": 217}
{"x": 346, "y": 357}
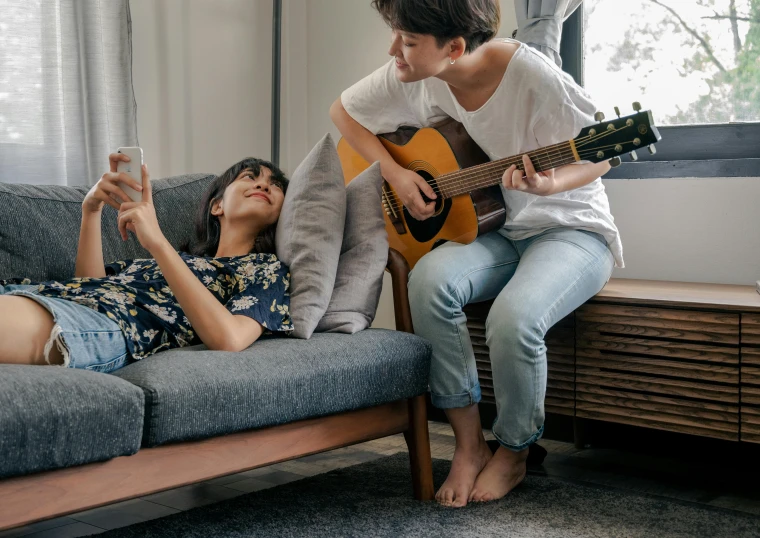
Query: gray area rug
{"x": 375, "y": 499}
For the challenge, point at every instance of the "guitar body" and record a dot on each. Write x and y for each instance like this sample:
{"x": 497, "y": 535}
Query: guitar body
{"x": 432, "y": 152}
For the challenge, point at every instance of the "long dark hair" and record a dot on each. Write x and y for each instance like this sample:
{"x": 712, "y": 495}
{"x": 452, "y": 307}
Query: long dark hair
{"x": 208, "y": 230}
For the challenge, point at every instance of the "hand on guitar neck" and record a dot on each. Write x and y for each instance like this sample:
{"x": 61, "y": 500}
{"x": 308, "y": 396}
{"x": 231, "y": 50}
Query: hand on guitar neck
{"x": 528, "y": 180}
{"x": 415, "y": 193}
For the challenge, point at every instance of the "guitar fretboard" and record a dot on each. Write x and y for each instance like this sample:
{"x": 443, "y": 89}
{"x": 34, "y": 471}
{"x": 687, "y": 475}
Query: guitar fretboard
{"x": 488, "y": 174}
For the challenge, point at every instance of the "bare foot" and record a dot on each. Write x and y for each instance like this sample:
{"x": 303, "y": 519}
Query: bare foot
{"x": 504, "y": 472}
{"x": 465, "y": 467}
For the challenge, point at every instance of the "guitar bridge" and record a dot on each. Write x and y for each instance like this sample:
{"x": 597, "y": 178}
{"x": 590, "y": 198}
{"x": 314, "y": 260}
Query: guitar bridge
{"x": 393, "y": 208}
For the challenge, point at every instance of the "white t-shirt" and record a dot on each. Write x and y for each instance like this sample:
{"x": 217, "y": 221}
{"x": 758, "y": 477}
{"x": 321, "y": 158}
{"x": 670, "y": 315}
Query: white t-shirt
{"x": 535, "y": 105}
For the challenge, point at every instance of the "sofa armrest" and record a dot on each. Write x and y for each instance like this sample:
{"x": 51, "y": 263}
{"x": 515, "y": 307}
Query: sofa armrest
{"x": 399, "y": 270}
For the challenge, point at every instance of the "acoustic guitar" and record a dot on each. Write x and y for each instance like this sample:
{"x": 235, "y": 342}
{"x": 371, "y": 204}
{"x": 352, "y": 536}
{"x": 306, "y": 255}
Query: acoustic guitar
{"x": 470, "y": 201}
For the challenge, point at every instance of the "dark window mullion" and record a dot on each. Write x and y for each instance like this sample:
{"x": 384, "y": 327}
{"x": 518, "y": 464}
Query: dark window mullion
{"x": 571, "y": 47}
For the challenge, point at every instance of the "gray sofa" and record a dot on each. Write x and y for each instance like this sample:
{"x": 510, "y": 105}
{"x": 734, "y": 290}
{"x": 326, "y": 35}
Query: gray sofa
{"x": 72, "y": 439}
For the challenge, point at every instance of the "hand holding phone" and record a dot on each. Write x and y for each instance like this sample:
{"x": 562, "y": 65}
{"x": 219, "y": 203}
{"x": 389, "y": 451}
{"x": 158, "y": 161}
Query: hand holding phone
{"x": 133, "y": 169}
{"x": 120, "y": 184}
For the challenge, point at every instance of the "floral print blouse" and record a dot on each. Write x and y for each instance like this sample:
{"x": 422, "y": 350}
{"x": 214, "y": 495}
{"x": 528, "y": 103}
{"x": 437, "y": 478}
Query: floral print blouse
{"x": 136, "y": 296}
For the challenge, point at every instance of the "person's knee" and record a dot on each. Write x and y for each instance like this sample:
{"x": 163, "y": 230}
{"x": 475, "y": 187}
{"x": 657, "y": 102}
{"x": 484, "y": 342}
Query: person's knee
{"x": 512, "y": 327}
{"x": 430, "y": 282}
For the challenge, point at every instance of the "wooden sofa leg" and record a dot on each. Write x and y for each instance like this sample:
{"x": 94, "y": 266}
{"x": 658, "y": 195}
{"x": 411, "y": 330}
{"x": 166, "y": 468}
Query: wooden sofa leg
{"x": 418, "y": 442}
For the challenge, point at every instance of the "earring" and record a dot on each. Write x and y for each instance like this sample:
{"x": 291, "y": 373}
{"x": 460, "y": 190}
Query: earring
{"x": 451, "y": 61}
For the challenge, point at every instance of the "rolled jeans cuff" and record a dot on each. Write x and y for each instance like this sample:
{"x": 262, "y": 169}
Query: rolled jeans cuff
{"x": 453, "y": 401}
{"x": 522, "y": 446}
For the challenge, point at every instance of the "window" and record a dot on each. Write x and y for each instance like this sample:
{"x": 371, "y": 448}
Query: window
{"x": 21, "y": 82}
{"x": 31, "y": 111}
{"x": 66, "y": 97}
{"x": 694, "y": 63}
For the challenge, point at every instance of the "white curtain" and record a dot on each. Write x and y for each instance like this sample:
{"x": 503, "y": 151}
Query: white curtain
{"x": 539, "y": 24}
{"x": 66, "y": 96}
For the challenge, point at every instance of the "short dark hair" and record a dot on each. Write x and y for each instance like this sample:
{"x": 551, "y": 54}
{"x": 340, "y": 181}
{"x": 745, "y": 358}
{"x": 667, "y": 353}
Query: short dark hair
{"x": 477, "y": 21}
{"x": 207, "y": 227}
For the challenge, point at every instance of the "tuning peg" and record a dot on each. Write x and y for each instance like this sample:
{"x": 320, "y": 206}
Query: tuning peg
{"x": 617, "y": 111}
{"x": 599, "y": 116}
{"x": 615, "y": 162}
{"x": 634, "y": 156}
{"x": 652, "y": 149}
{"x": 637, "y": 106}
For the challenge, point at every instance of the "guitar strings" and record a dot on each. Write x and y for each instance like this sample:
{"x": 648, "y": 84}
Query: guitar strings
{"x": 481, "y": 181}
{"x": 461, "y": 176}
{"x": 485, "y": 178}
{"x": 471, "y": 178}
{"x": 474, "y": 180}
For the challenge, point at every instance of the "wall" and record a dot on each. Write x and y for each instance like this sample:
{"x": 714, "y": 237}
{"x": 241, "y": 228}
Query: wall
{"x": 202, "y": 77}
{"x": 693, "y": 230}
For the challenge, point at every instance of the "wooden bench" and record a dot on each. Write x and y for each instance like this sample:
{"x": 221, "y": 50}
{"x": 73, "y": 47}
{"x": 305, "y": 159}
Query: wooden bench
{"x": 673, "y": 356}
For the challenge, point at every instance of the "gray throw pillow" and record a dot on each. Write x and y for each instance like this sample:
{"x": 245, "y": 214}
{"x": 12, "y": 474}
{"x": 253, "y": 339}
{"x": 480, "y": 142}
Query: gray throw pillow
{"x": 310, "y": 232}
{"x": 363, "y": 257}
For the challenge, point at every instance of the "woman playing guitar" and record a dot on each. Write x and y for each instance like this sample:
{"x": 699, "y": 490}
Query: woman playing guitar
{"x": 556, "y": 250}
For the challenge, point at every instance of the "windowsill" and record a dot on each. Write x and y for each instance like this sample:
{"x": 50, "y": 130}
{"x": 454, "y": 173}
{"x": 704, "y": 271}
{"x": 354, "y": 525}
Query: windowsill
{"x": 686, "y": 168}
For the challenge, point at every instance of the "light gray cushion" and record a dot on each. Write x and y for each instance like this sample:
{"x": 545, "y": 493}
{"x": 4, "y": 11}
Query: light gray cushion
{"x": 310, "y": 233}
{"x": 363, "y": 257}
{"x": 52, "y": 417}
{"x": 39, "y": 225}
{"x": 194, "y": 393}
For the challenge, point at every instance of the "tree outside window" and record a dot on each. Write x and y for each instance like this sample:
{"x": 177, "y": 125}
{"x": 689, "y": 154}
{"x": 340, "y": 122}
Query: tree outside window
{"x": 690, "y": 61}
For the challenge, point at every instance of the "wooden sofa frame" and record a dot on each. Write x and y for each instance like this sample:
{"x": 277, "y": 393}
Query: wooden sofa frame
{"x": 31, "y": 498}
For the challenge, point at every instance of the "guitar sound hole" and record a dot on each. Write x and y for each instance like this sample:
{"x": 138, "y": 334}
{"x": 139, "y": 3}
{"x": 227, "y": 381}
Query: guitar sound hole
{"x": 425, "y": 230}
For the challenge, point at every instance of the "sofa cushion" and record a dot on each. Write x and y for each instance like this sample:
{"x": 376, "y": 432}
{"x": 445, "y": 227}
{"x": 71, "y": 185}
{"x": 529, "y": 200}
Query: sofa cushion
{"x": 193, "y": 393}
{"x": 53, "y": 417}
{"x": 310, "y": 233}
{"x": 363, "y": 257}
{"x": 39, "y": 225}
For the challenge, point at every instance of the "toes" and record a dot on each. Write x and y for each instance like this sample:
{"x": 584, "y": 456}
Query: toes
{"x": 448, "y": 497}
{"x": 460, "y": 499}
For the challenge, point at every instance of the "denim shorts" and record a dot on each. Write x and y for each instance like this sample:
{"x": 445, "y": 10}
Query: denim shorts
{"x": 86, "y": 338}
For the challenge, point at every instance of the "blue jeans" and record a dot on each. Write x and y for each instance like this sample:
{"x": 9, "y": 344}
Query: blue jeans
{"x": 535, "y": 282}
{"x": 86, "y": 338}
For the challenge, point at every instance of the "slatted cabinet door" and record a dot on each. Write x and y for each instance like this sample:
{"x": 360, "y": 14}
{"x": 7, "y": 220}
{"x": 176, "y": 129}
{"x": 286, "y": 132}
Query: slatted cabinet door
{"x": 560, "y": 354}
{"x": 663, "y": 368}
{"x": 750, "y": 380}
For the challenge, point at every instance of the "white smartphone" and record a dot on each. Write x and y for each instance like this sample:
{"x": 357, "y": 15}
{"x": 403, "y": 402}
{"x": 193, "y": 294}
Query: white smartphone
{"x": 133, "y": 169}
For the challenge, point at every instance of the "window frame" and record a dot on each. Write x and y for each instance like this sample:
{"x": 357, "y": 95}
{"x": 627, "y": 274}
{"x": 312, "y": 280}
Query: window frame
{"x": 720, "y": 150}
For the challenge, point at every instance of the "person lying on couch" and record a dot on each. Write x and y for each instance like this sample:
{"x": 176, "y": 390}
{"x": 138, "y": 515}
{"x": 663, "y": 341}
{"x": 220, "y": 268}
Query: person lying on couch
{"x": 225, "y": 293}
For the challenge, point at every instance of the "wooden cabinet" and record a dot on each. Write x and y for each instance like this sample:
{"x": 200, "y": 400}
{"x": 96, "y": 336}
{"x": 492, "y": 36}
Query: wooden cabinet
{"x": 750, "y": 378}
{"x": 669, "y": 369}
{"x": 673, "y": 356}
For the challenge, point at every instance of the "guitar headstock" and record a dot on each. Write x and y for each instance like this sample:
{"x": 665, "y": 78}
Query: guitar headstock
{"x": 610, "y": 140}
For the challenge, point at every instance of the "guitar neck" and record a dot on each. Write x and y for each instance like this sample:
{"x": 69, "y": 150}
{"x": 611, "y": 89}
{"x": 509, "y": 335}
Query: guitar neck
{"x": 489, "y": 174}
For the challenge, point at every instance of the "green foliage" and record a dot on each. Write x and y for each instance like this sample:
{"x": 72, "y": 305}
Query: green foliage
{"x": 734, "y": 87}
